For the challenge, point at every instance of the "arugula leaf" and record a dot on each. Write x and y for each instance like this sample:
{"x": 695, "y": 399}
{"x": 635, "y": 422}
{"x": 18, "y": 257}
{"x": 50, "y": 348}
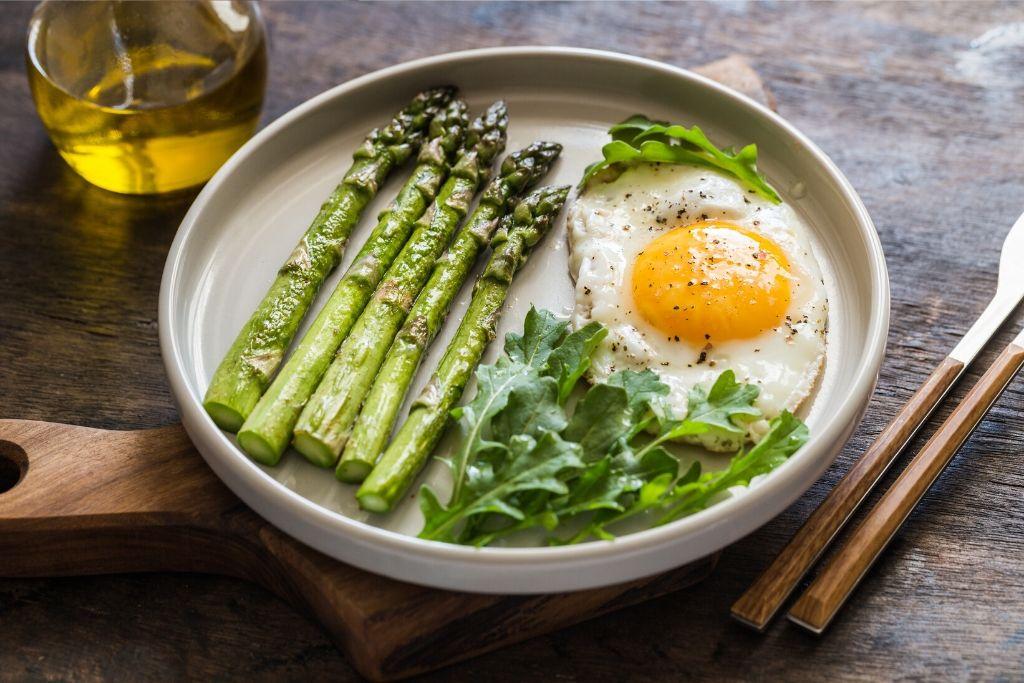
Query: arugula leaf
{"x": 627, "y": 131}
{"x": 571, "y": 358}
{"x": 639, "y": 139}
{"x": 711, "y": 412}
{"x": 597, "y": 488}
{"x": 623, "y": 473}
{"x": 494, "y": 385}
{"x": 644, "y": 389}
{"x": 646, "y": 487}
{"x": 721, "y": 409}
{"x": 527, "y": 465}
{"x": 531, "y": 408}
{"x": 725, "y": 399}
{"x": 742, "y": 164}
{"x": 785, "y": 435}
{"x": 602, "y": 417}
{"x": 542, "y": 332}
{"x": 544, "y": 347}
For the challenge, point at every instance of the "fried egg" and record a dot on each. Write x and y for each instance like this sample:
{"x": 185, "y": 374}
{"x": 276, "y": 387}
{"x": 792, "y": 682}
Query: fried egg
{"x": 693, "y": 274}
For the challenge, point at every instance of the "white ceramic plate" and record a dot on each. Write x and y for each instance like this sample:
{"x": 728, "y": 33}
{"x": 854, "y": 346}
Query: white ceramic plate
{"x": 248, "y": 217}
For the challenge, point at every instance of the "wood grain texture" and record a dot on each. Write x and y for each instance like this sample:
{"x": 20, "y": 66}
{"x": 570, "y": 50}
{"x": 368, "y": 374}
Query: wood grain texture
{"x": 923, "y": 125}
{"x": 96, "y": 501}
{"x": 818, "y": 605}
{"x": 759, "y": 604}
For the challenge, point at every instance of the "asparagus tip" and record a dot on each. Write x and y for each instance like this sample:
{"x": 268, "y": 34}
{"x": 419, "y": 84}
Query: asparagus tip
{"x": 553, "y": 194}
{"x": 438, "y": 94}
{"x": 496, "y": 113}
{"x": 489, "y": 128}
{"x": 537, "y": 157}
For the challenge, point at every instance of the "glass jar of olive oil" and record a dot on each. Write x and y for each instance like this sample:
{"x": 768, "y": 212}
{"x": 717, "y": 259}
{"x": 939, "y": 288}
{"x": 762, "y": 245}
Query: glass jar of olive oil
{"x": 145, "y": 97}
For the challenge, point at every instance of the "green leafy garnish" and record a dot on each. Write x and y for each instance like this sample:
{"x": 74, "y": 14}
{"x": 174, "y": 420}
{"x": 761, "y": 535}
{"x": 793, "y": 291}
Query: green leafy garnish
{"x": 694, "y": 491}
{"x": 526, "y": 361}
{"x": 571, "y": 358}
{"x": 722, "y": 410}
{"x": 784, "y": 437}
{"x": 526, "y": 461}
{"x": 639, "y": 140}
{"x": 495, "y": 484}
{"x": 542, "y": 332}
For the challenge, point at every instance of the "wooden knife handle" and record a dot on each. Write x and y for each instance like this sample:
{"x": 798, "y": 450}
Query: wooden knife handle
{"x": 762, "y": 600}
{"x": 819, "y": 604}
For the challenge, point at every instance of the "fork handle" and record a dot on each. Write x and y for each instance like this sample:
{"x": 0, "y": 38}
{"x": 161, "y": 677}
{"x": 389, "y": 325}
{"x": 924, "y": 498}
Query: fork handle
{"x": 819, "y": 604}
{"x": 762, "y": 600}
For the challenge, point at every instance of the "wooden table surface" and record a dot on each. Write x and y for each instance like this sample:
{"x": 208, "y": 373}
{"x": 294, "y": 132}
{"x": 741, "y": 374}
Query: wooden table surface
{"x": 921, "y": 105}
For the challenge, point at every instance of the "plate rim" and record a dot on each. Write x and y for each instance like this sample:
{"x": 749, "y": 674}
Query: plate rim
{"x": 259, "y": 489}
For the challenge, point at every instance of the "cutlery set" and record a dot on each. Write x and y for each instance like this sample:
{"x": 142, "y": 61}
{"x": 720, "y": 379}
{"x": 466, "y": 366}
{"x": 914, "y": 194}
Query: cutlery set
{"x": 818, "y": 605}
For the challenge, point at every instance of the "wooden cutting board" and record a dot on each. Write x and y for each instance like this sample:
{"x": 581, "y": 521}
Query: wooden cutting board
{"x": 75, "y": 500}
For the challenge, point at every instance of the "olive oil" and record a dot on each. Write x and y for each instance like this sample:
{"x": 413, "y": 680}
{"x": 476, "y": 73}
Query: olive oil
{"x": 147, "y": 97}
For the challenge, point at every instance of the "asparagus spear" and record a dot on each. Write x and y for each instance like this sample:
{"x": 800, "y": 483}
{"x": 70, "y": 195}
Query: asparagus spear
{"x": 268, "y": 429}
{"x": 326, "y": 421}
{"x": 415, "y": 440}
{"x": 373, "y": 426}
{"x": 485, "y": 140}
{"x": 246, "y": 370}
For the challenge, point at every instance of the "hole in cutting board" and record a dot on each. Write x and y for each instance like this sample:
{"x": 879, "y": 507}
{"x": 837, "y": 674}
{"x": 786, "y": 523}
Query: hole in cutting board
{"x": 13, "y": 465}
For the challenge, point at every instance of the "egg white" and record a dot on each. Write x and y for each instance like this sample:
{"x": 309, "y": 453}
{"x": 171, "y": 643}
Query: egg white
{"x": 611, "y": 223}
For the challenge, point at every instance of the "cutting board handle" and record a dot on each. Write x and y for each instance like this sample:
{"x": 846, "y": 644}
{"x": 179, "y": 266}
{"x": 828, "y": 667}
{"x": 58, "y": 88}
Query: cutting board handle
{"x": 91, "y": 501}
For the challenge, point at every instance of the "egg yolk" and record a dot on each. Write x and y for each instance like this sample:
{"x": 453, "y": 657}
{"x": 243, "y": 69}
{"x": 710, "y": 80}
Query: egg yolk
{"x": 712, "y": 281}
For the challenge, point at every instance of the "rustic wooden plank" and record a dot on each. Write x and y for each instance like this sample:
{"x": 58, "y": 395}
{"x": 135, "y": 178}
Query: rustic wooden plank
{"x": 926, "y": 128}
